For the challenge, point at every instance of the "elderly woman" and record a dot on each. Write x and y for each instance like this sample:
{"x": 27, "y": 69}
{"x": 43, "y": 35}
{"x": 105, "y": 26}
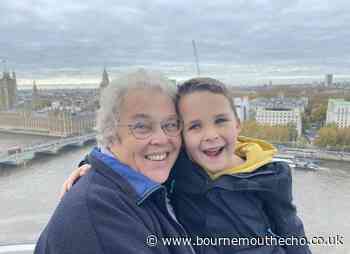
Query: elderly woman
{"x": 121, "y": 205}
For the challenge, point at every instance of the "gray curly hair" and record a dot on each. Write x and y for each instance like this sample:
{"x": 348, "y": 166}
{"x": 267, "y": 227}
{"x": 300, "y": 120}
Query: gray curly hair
{"x": 113, "y": 95}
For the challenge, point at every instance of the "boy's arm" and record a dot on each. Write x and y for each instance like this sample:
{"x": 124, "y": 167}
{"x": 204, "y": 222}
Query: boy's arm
{"x": 84, "y": 167}
{"x": 282, "y": 213}
{"x": 84, "y": 161}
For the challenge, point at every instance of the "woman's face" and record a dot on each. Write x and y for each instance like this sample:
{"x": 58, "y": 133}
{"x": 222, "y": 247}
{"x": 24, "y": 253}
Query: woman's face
{"x": 155, "y": 155}
{"x": 210, "y": 129}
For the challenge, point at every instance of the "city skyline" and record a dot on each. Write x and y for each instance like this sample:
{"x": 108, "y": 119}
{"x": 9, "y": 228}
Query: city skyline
{"x": 231, "y": 74}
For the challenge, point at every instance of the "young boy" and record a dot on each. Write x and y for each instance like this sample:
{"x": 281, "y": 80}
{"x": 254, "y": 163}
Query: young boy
{"x": 225, "y": 187}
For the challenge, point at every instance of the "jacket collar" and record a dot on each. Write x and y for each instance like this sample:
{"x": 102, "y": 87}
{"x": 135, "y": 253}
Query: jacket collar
{"x": 142, "y": 185}
{"x": 256, "y": 153}
{"x": 190, "y": 177}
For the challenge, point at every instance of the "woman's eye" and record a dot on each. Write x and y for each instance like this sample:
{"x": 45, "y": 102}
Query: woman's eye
{"x": 172, "y": 125}
{"x": 141, "y": 126}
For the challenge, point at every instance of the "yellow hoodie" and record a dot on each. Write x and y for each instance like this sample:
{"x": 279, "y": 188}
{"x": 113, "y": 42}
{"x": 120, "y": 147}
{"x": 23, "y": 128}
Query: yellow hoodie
{"x": 255, "y": 152}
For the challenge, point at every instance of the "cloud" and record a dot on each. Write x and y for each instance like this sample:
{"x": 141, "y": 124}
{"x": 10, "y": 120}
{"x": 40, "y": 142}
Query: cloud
{"x": 91, "y": 32}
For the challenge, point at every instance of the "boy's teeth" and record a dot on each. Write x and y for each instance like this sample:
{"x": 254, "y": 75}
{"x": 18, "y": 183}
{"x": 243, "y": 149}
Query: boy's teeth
{"x": 156, "y": 157}
{"x": 212, "y": 152}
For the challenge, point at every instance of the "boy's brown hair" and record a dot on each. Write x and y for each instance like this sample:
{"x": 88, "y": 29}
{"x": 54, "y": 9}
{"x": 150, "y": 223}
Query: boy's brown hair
{"x": 208, "y": 85}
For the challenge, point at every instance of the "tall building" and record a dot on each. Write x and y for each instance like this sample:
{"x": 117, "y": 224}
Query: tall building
{"x": 105, "y": 79}
{"x": 35, "y": 96}
{"x": 338, "y": 112}
{"x": 328, "y": 80}
{"x": 280, "y": 102}
{"x": 242, "y": 108}
{"x": 8, "y": 91}
{"x": 280, "y": 116}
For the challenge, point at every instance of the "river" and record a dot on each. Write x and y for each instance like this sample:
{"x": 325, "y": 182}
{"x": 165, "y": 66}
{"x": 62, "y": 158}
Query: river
{"x": 29, "y": 195}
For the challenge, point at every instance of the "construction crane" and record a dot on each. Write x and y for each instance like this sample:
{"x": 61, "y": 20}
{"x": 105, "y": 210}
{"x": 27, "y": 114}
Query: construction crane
{"x": 196, "y": 57}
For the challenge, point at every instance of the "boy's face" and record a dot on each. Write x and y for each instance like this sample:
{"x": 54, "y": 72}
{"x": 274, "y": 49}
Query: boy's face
{"x": 210, "y": 129}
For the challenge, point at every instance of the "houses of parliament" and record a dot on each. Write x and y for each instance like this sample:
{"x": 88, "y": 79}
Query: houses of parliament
{"x": 8, "y": 91}
{"x": 59, "y": 122}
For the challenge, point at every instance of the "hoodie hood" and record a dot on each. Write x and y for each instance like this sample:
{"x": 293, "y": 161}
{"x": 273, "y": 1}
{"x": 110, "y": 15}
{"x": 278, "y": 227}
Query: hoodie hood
{"x": 255, "y": 152}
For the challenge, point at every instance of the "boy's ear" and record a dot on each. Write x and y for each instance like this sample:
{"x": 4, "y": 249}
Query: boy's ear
{"x": 238, "y": 126}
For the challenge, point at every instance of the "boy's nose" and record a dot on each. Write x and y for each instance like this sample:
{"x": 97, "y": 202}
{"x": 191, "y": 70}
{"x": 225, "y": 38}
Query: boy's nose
{"x": 210, "y": 134}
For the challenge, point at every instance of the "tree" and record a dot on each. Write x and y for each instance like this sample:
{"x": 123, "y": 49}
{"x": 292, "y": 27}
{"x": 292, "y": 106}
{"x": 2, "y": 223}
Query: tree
{"x": 327, "y": 136}
{"x": 277, "y": 134}
{"x": 319, "y": 114}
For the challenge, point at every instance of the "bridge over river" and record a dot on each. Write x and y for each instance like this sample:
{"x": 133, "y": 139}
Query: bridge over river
{"x": 23, "y": 154}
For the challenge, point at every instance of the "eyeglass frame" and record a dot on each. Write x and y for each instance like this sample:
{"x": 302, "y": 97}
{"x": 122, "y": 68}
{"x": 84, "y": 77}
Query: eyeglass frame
{"x": 162, "y": 123}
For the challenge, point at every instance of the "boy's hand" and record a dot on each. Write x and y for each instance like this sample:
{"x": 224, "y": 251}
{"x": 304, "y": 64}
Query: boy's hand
{"x": 73, "y": 177}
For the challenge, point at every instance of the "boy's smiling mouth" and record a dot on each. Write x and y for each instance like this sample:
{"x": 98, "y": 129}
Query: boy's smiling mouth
{"x": 213, "y": 152}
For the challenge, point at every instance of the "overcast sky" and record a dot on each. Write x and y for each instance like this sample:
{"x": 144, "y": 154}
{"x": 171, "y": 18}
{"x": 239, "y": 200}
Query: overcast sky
{"x": 69, "y": 33}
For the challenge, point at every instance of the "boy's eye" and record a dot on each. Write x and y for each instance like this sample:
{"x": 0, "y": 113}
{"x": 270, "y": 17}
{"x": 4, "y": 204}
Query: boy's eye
{"x": 221, "y": 120}
{"x": 195, "y": 126}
